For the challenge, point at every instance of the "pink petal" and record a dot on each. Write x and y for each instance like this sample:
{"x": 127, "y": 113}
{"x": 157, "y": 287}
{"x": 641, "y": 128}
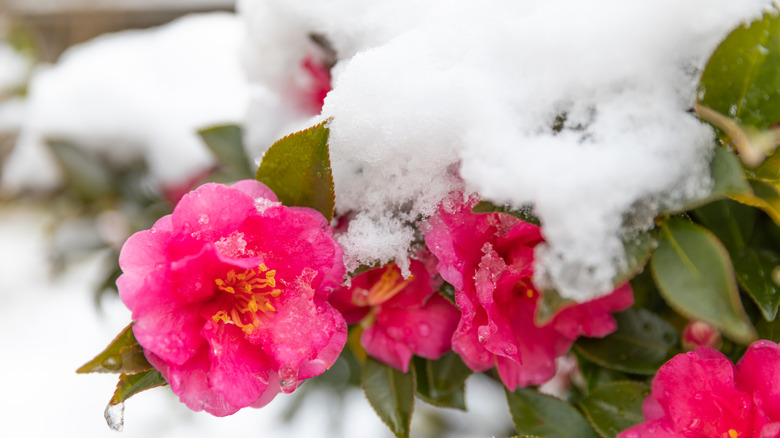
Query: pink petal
{"x": 759, "y": 372}
{"x": 290, "y": 241}
{"x": 698, "y": 393}
{"x": 651, "y": 429}
{"x": 255, "y": 190}
{"x": 301, "y": 329}
{"x": 594, "y": 318}
{"x": 240, "y": 371}
{"x": 190, "y": 382}
{"x": 210, "y": 213}
{"x": 172, "y": 336}
{"x": 425, "y": 331}
{"x": 384, "y": 346}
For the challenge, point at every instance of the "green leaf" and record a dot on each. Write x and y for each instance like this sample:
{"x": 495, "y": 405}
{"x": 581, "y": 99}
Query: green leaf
{"x": 226, "y": 143}
{"x": 87, "y": 176}
{"x": 731, "y": 222}
{"x": 539, "y": 414}
{"x": 131, "y": 384}
{"x": 391, "y": 394}
{"x": 741, "y": 80}
{"x": 769, "y": 329}
{"x": 642, "y": 343}
{"x": 524, "y": 214}
{"x": 764, "y": 195}
{"x": 123, "y": 355}
{"x": 596, "y": 375}
{"x": 754, "y": 268}
{"x": 695, "y": 277}
{"x": 768, "y": 171}
{"x": 614, "y": 407}
{"x": 727, "y": 174}
{"x": 297, "y": 169}
{"x": 441, "y": 382}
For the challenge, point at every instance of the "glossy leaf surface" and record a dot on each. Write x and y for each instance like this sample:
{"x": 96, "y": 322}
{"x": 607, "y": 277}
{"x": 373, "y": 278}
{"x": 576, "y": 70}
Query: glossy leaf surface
{"x": 131, "y": 384}
{"x": 441, "y": 382}
{"x": 741, "y": 80}
{"x": 542, "y": 415}
{"x": 123, "y": 355}
{"x": 297, "y": 169}
{"x": 391, "y": 393}
{"x": 642, "y": 343}
{"x": 615, "y": 406}
{"x": 754, "y": 269}
{"x": 695, "y": 277}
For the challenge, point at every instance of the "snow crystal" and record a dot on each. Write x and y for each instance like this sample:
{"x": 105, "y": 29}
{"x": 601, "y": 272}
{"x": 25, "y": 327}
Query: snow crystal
{"x": 376, "y": 239}
{"x": 578, "y": 109}
{"x": 134, "y": 93}
{"x": 233, "y": 245}
{"x": 263, "y": 204}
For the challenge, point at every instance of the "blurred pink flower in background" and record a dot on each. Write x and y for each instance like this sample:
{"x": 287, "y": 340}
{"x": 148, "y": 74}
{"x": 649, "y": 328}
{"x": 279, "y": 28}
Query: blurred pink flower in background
{"x": 489, "y": 258}
{"x": 401, "y": 317}
{"x": 702, "y": 394}
{"x": 229, "y": 296}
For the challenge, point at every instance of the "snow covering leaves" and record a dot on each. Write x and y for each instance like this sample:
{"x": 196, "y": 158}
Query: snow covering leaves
{"x": 527, "y": 103}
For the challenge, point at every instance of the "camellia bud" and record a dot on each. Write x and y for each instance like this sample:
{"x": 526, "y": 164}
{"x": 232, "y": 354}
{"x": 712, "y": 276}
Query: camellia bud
{"x": 699, "y": 333}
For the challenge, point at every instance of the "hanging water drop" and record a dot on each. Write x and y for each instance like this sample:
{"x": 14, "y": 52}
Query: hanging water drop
{"x": 288, "y": 379}
{"x": 115, "y": 416}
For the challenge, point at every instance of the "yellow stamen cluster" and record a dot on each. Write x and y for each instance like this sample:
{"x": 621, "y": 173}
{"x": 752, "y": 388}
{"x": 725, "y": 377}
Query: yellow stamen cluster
{"x": 384, "y": 289}
{"x": 252, "y": 293}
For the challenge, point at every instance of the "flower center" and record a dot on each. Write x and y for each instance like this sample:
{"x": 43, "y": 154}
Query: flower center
{"x": 733, "y": 433}
{"x": 252, "y": 293}
{"x": 384, "y": 289}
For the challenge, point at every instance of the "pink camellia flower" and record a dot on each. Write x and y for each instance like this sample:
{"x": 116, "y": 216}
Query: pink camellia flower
{"x": 488, "y": 258}
{"x": 702, "y": 394}
{"x": 401, "y": 317}
{"x": 229, "y": 296}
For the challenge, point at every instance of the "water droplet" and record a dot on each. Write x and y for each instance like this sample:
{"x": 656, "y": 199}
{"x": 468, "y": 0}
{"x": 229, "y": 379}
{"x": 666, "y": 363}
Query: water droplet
{"x": 733, "y": 110}
{"x": 395, "y": 332}
{"x": 115, "y": 416}
{"x": 288, "y": 379}
{"x": 510, "y": 350}
{"x": 112, "y": 363}
{"x": 424, "y": 329}
{"x": 776, "y": 275}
